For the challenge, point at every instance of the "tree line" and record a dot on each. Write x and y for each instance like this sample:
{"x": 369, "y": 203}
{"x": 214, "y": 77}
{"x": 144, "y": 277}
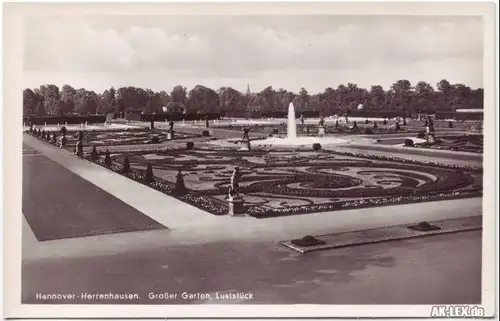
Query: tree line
{"x": 401, "y": 96}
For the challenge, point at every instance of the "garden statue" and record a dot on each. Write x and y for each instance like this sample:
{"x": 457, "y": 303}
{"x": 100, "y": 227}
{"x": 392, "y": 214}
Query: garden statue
{"x": 234, "y": 187}
{"x": 321, "y": 126}
{"x": 246, "y": 137}
{"x": 79, "y": 148}
{"x": 245, "y": 141}
{"x": 302, "y": 119}
{"x": 62, "y": 141}
{"x": 79, "y": 144}
{"x": 429, "y": 124}
{"x": 79, "y": 136}
{"x": 430, "y": 130}
{"x": 152, "y": 124}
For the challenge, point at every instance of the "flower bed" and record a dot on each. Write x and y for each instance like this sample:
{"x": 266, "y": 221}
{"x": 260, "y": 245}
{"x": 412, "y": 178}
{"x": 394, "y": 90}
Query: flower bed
{"x": 266, "y": 212}
{"x": 410, "y": 161}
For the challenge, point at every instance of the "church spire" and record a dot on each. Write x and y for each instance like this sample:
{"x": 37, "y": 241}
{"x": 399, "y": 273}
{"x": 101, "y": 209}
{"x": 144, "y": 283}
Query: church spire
{"x": 248, "y": 90}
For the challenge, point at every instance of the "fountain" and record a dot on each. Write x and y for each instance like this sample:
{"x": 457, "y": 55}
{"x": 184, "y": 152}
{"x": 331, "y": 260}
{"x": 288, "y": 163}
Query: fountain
{"x": 291, "y": 139}
{"x": 291, "y": 126}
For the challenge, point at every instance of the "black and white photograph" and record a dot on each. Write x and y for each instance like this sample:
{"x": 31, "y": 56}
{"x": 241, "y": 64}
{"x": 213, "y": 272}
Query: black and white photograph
{"x": 249, "y": 158}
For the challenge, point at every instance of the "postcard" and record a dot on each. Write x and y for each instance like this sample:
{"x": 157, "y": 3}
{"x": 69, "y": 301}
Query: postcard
{"x": 249, "y": 160}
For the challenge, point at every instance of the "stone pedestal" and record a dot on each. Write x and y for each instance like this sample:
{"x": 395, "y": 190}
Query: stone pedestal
{"x": 62, "y": 141}
{"x": 244, "y": 145}
{"x": 431, "y": 139}
{"x": 236, "y": 206}
{"x": 321, "y": 130}
{"x": 79, "y": 149}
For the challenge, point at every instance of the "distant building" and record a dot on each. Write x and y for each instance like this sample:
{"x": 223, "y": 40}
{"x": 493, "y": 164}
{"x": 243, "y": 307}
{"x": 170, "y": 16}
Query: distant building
{"x": 469, "y": 110}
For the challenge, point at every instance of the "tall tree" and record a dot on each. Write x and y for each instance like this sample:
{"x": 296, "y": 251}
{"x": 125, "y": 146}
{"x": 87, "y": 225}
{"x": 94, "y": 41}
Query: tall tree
{"x": 402, "y": 95}
{"x": 377, "y": 97}
{"x": 266, "y": 99}
{"x": 179, "y": 94}
{"x": 30, "y": 102}
{"x": 424, "y": 93}
{"x": 203, "y": 99}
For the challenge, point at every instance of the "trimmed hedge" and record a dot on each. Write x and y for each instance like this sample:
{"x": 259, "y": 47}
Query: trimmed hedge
{"x": 316, "y": 146}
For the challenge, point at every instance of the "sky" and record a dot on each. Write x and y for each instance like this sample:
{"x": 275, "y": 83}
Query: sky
{"x": 315, "y": 52}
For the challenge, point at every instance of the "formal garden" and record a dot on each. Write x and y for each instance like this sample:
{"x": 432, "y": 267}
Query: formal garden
{"x": 277, "y": 181}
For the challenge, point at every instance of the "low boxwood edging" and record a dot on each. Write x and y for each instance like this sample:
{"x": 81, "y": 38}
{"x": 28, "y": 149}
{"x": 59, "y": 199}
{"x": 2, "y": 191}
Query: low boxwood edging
{"x": 266, "y": 212}
{"x": 477, "y": 170}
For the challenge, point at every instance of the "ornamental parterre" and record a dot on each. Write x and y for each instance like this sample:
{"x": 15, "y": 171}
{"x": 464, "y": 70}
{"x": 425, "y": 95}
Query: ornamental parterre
{"x": 283, "y": 182}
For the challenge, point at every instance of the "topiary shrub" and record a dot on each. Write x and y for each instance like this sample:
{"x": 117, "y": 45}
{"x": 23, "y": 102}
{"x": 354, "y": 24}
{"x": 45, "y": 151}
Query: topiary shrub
{"x": 385, "y": 121}
{"x": 375, "y": 125}
{"x": 316, "y": 146}
{"x": 421, "y": 135}
{"x": 107, "y": 158}
{"x": 408, "y": 142}
{"x": 126, "y": 165}
{"x": 368, "y": 131}
{"x": 367, "y": 121}
{"x": 424, "y": 227}
{"x": 275, "y": 131}
{"x": 307, "y": 240}
{"x": 155, "y": 140}
{"x": 94, "y": 155}
{"x": 189, "y": 145}
{"x": 149, "y": 176}
{"x": 205, "y": 133}
{"x": 450, "y": 124}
